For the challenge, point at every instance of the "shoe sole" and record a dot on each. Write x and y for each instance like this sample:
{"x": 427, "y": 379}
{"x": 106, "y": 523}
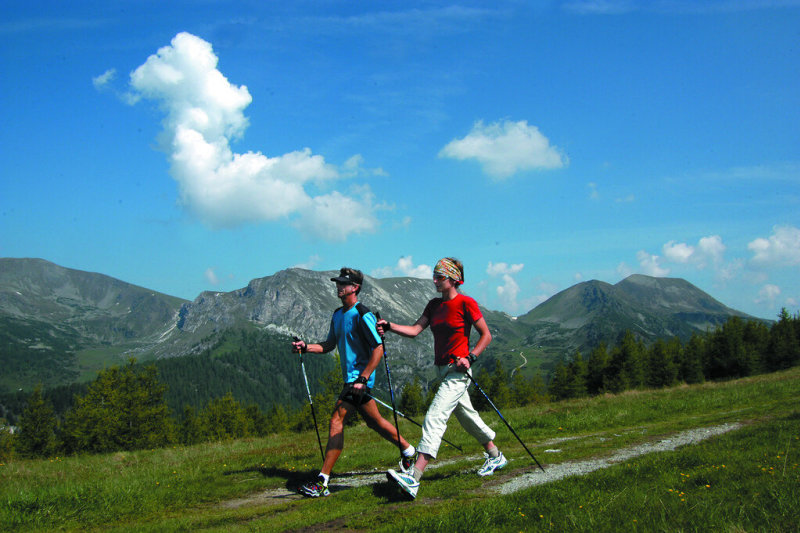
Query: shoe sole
{"x": 394, "y": 480}
{"x": 312, "y": 494}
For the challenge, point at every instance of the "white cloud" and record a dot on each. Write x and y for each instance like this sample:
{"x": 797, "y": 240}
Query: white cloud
{"x": 599, "y": 7}
{"x": 498, "y": 269}
{"x": 211, "y": 276}
{"x": 626, "y": 199}
{"x": 334, "y": 216}
{"x": 622, "y": 7}
{"x": 678, "y": 252}
{"x": 204, "y": 113}
{"x": 404, "y": 267}
{"x": 509, "y": 290}
{"x": 624, "y": 270}
{"x": 649, "y": 265}
{"x": 506, "y": 148}
{"x": 354, "y": 167}
{"x": 782, "y": 248}
{"x": 547, "y": 290}
{"x": 709, "y": 250}
{"x": 593, "y": 194}
{"x": 768, "y": 294}
{"x": 101, "y": 82}
{"x": 310, "y": 263}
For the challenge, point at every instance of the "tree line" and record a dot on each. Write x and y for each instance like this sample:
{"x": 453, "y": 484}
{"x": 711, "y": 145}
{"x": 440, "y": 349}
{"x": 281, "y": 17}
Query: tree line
{"x": 126, "y": 407}
{"x": 738, "y": 348}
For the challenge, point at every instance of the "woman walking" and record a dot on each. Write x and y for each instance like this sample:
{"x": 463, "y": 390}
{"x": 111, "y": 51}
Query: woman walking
{"x": 451, "y": 318}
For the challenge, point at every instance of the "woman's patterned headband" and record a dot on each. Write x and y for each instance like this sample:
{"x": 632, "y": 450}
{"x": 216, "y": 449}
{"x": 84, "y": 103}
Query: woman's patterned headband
{"x": 446, "y": 267}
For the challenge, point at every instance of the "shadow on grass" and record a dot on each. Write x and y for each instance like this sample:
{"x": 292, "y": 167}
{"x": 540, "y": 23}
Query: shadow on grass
{"x": 383, "y": 488}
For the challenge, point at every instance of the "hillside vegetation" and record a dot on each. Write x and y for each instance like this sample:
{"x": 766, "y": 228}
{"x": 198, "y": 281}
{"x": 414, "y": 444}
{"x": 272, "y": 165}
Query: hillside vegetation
{"x": 249, "y": 384}
{"x": 60, "y": 326}
{"x": 747, "y": 479}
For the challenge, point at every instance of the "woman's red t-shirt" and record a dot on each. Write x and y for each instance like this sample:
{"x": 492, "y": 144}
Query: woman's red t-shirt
{"x": 451, "y": 322}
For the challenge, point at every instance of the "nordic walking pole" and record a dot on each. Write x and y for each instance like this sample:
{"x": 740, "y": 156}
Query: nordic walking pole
{"x": 412, "y": 421}
{"x": 502, "y": 418}
{"x": 310, "y": 401}
{"x": 391, "y": 390}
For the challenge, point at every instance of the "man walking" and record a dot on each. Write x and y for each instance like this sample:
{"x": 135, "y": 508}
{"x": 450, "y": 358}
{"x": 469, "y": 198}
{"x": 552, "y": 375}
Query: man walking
{"x": 353, "y": 332}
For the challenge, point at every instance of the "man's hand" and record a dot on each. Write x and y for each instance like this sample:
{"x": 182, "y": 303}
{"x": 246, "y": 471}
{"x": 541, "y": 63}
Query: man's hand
{"x": 358, "y": 389}
{"x": 298, "y": 346}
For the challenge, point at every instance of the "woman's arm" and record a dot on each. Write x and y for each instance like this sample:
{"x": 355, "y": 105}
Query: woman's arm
{"x": 485, "y": 337}
{"x": 404, "y": 331}
{"x": 463, "y": 363}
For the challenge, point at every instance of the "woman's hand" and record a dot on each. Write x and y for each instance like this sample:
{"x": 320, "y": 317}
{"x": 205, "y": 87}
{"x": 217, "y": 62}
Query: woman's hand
{"x": 462, "y": 364}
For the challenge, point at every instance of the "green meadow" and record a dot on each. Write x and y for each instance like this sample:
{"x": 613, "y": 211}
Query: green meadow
{"x": 746, "y": 479}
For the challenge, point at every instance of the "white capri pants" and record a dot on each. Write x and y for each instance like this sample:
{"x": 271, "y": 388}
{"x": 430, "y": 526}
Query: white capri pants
{"x": 452, "y": 396}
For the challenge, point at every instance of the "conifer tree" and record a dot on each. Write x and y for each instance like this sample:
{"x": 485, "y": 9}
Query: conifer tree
{"x": 412, "y": 402}
{"x": 691, "y": 361}
{"x": 123, "y": 409}
{"x": 559, "y": 384}
{"x": 37, "y": 427}
{"x": 662, "y": 370}
{"x": 783, "y": 349}
{"x": 258, "y": 423}
{"x": 523, "y": 391}
{"x": 499, "y": 390}
{"x": 596, "y": 369}
{"x": 625, "y": 367}
{"x": 478, "y": 400}
{"x": 577, "y": 372}
{"x": 277, "y": 419}
{"x": 190, "y": 432}
{"x": 224, "y": 418}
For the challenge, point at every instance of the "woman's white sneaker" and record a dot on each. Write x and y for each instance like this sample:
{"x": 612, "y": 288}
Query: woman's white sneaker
{"x": 491, "y": 464}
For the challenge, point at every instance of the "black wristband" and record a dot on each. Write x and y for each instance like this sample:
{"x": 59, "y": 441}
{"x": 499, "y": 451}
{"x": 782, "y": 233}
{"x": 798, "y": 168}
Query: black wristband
{"x": 471, "y": 358}
{"x": 361, "y": 379}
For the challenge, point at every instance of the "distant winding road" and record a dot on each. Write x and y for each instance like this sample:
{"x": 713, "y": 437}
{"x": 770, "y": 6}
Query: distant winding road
{"x": 524, "y": 362}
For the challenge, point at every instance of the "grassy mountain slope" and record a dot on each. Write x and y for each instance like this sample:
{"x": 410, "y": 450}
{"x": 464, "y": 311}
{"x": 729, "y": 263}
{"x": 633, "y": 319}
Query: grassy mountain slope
{"x": 57, "y": 323}
{"x": 746, "y": 479}
{"x": 594, "y": 311}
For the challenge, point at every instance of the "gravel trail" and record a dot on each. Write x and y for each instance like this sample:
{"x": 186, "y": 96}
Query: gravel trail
{"x": 578, "y": 468}
{"x": 553, "y": 472}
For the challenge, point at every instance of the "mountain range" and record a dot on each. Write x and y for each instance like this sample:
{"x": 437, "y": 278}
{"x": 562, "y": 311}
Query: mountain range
{"x": 59, "y": 325}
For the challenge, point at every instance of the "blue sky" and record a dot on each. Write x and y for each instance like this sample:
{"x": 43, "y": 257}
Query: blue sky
{"x": 191, "y": 146}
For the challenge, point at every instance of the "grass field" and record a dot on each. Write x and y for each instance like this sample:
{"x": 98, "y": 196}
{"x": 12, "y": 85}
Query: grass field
{"x": 747, "y": 479}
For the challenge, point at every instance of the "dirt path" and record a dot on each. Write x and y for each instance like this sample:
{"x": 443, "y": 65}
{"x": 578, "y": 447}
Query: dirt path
{"x": 508, "y": 483}
{"x": 580, "y": 468}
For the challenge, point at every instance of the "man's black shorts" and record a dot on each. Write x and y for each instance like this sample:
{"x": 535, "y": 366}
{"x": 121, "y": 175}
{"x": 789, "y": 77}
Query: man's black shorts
{"x": 348, "y": 395}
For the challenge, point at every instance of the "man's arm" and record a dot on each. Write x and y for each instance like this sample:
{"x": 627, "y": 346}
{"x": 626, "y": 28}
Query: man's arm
{"x": 299, "y": 346}
{"x": 372, "y": 364}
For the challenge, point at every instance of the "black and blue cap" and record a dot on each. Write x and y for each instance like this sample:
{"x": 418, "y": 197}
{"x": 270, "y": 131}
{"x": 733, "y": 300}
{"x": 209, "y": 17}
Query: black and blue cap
{"x": 349, "y": 275}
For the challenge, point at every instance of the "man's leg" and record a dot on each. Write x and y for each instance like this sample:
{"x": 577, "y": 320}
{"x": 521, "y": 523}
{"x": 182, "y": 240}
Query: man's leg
{"x": 341, "y": 412}
{"x": 374, "y": 421}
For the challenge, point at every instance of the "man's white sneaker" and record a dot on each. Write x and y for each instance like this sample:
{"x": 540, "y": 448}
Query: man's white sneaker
{"x": 491, "y": 464}
{"x": 406, "y": 482}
